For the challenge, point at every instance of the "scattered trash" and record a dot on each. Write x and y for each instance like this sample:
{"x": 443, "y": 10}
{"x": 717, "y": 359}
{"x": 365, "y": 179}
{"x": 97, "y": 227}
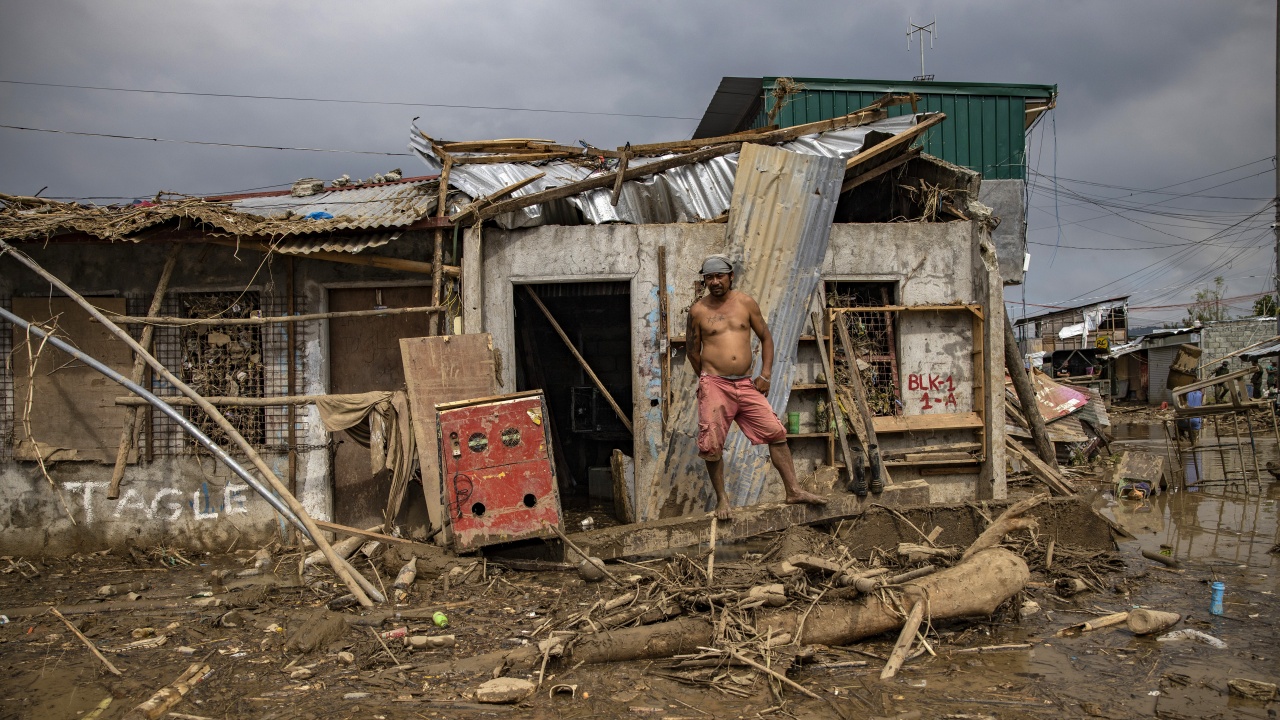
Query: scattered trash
{"x": 185, "y": 650}
{"x": 318, "y": 215}
{"x": 1215, "y": 603}
{"x": 394, "y": 633}
{"x": 1189, "y": 634}
{"x": 504, "y": 690}
{"x": 1070, "y": 586}
{"x": 355, "y": 696}
{"x": 300, "y": 674}
{"x": 563, "y": 689}
{"x": 588, "y": 523}
{"x": 346, "y": 658}
{"x": 404, "y": 579}
{"x": 429, "y": 641}
{"x": 440, "y": 619}
{"x": 109, "y": 590}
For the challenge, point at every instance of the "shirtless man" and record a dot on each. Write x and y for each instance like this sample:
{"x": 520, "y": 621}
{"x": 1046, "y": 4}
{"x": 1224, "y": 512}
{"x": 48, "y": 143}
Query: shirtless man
{"x": 718, "y": 344}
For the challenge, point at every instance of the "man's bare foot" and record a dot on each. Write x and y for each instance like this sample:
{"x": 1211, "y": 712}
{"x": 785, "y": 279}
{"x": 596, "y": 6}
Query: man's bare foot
{"x": 800, "y": 497}
{"x": 723, "y": 511}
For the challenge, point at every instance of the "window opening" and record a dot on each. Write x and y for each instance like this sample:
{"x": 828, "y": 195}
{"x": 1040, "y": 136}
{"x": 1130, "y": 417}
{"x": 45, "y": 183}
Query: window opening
{"x": 874, "y": 338}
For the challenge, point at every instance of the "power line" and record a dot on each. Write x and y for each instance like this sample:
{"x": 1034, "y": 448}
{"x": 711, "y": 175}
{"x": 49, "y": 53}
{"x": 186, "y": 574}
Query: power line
{"x": 204, "y": 142}
{"x": 387, "y": 103}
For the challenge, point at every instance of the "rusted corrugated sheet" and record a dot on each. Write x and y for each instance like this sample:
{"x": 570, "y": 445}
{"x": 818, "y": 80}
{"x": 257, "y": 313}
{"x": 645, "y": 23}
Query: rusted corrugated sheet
{"x": 388, "y": 205}
{"x": 778, "y": 232}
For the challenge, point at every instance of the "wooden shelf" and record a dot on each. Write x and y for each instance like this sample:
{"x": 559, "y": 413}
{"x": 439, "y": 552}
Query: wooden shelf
{"x": 809, "y": 435}
{"x": 809, "y": 386}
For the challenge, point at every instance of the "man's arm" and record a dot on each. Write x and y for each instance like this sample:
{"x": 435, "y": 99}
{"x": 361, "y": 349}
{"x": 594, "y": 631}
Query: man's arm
{"x": 761, "y": 329}
{"x": 693, "y": 343}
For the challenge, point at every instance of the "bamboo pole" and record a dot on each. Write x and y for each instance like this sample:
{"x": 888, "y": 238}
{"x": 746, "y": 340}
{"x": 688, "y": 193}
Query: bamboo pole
{"x": 1027, "y": 396}
{"x": 378, "y": 261}
{"x": 437, "y": 277}
{"x": 339, "y": 566}
{"x": 132, "y": 418}
{"x": 850, "y": 462}
{"x": 274, "y": 319}
{"x": 578, "y": 356}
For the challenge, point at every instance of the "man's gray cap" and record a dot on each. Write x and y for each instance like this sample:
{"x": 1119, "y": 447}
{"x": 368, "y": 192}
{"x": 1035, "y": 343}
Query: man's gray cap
{"x": 716, "y": 264}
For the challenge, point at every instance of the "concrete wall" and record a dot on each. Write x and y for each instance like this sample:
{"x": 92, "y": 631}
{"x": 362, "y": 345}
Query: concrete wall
{"x": 1006, "y": 198}
{"x": 1222, "y": 338}
{"x": 932, "y": 263}
{"x": 180, "y": 500}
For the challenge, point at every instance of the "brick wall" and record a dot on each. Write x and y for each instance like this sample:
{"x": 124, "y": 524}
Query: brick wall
{"x": 1220, "y": 338}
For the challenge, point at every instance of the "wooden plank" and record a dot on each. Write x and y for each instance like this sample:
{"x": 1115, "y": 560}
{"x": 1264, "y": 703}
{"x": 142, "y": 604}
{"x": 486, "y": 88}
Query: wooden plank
{"x": 923, "y": 423}
{"x": 851, "y": 461}
{"x": 436, "y": 370}
{"x": 943, "y": 448}
{"x": 514, "y": 158}
{"x": 893, "y": 143}
{"x": 879, "y": 170}
{"x": 860, "y": 401}
{"x": 493, "y": 197}
{"x": 1043, "y": 472}
{"x": 661, "y": 537}
{"x": 72, "y": 412}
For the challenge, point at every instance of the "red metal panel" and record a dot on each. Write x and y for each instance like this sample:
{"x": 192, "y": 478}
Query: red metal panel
{"x": 499, "y": 482}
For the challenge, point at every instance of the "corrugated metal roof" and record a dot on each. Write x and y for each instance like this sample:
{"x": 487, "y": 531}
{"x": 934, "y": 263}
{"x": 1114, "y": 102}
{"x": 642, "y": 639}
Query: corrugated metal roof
{"x": 387, "y": 205}
{"x": 689, "y": 193}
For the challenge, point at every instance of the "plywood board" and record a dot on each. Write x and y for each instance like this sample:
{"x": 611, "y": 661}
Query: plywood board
{"x": 73, "y": 411}
{"x": 364, "y": 356}
{"x": 777, "y": 235}
{"x": 443, "y": 369}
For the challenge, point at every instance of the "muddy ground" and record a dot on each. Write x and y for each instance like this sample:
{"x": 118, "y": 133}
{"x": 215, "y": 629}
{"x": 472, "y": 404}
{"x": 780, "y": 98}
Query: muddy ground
{"x": 1220, "y": 524}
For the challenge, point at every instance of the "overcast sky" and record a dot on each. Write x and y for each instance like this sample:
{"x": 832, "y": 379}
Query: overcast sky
{"x": 1157, "y": 95}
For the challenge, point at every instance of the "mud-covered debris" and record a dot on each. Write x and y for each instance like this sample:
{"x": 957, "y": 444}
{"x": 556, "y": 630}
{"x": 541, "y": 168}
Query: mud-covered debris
{"x": 504, "y": 690}
{"x": 316, "y": 632}
{"x": 1253, "y": 689}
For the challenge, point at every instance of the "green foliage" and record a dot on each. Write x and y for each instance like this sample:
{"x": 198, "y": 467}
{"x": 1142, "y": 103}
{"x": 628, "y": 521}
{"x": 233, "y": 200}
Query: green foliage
{"x": 1265, "y": 306}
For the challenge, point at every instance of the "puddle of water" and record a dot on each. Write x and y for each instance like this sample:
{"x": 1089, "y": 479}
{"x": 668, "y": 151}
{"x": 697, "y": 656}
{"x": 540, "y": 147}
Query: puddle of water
{"x": 1220, "y": 522}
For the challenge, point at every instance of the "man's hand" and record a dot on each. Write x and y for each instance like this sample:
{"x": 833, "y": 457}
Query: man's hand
{"x": 762, "y": 384}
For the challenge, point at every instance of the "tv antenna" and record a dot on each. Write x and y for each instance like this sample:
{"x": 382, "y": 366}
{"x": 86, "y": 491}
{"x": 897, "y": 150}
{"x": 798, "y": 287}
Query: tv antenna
{"x": 914, "y": 29}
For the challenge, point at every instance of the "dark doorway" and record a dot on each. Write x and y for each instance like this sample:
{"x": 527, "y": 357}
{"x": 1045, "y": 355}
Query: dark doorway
{"x": 365, "y": 356}
{"x": 596, "y": 316}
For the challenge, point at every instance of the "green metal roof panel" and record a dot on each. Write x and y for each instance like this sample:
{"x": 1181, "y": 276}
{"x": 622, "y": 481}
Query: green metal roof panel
{"x": 983, "y": 130}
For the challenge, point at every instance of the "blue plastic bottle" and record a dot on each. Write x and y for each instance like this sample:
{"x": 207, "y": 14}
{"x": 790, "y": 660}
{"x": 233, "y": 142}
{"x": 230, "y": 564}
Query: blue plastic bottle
{"x": 1215, "y": 605}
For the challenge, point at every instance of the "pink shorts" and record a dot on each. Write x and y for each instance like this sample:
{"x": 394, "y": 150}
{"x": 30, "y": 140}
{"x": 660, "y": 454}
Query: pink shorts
{"x": 722, "y": 401}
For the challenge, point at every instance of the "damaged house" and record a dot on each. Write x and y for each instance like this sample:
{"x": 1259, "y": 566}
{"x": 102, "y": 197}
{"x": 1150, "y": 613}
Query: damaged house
{"x": 514, "y": 265}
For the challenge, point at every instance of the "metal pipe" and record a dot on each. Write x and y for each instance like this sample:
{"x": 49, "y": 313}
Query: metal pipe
{"x": 165, "y": 408}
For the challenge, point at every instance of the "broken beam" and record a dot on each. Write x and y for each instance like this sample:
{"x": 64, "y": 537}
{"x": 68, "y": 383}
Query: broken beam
{"x": 663, "y": 536}
{"x": 378, "y": 261}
